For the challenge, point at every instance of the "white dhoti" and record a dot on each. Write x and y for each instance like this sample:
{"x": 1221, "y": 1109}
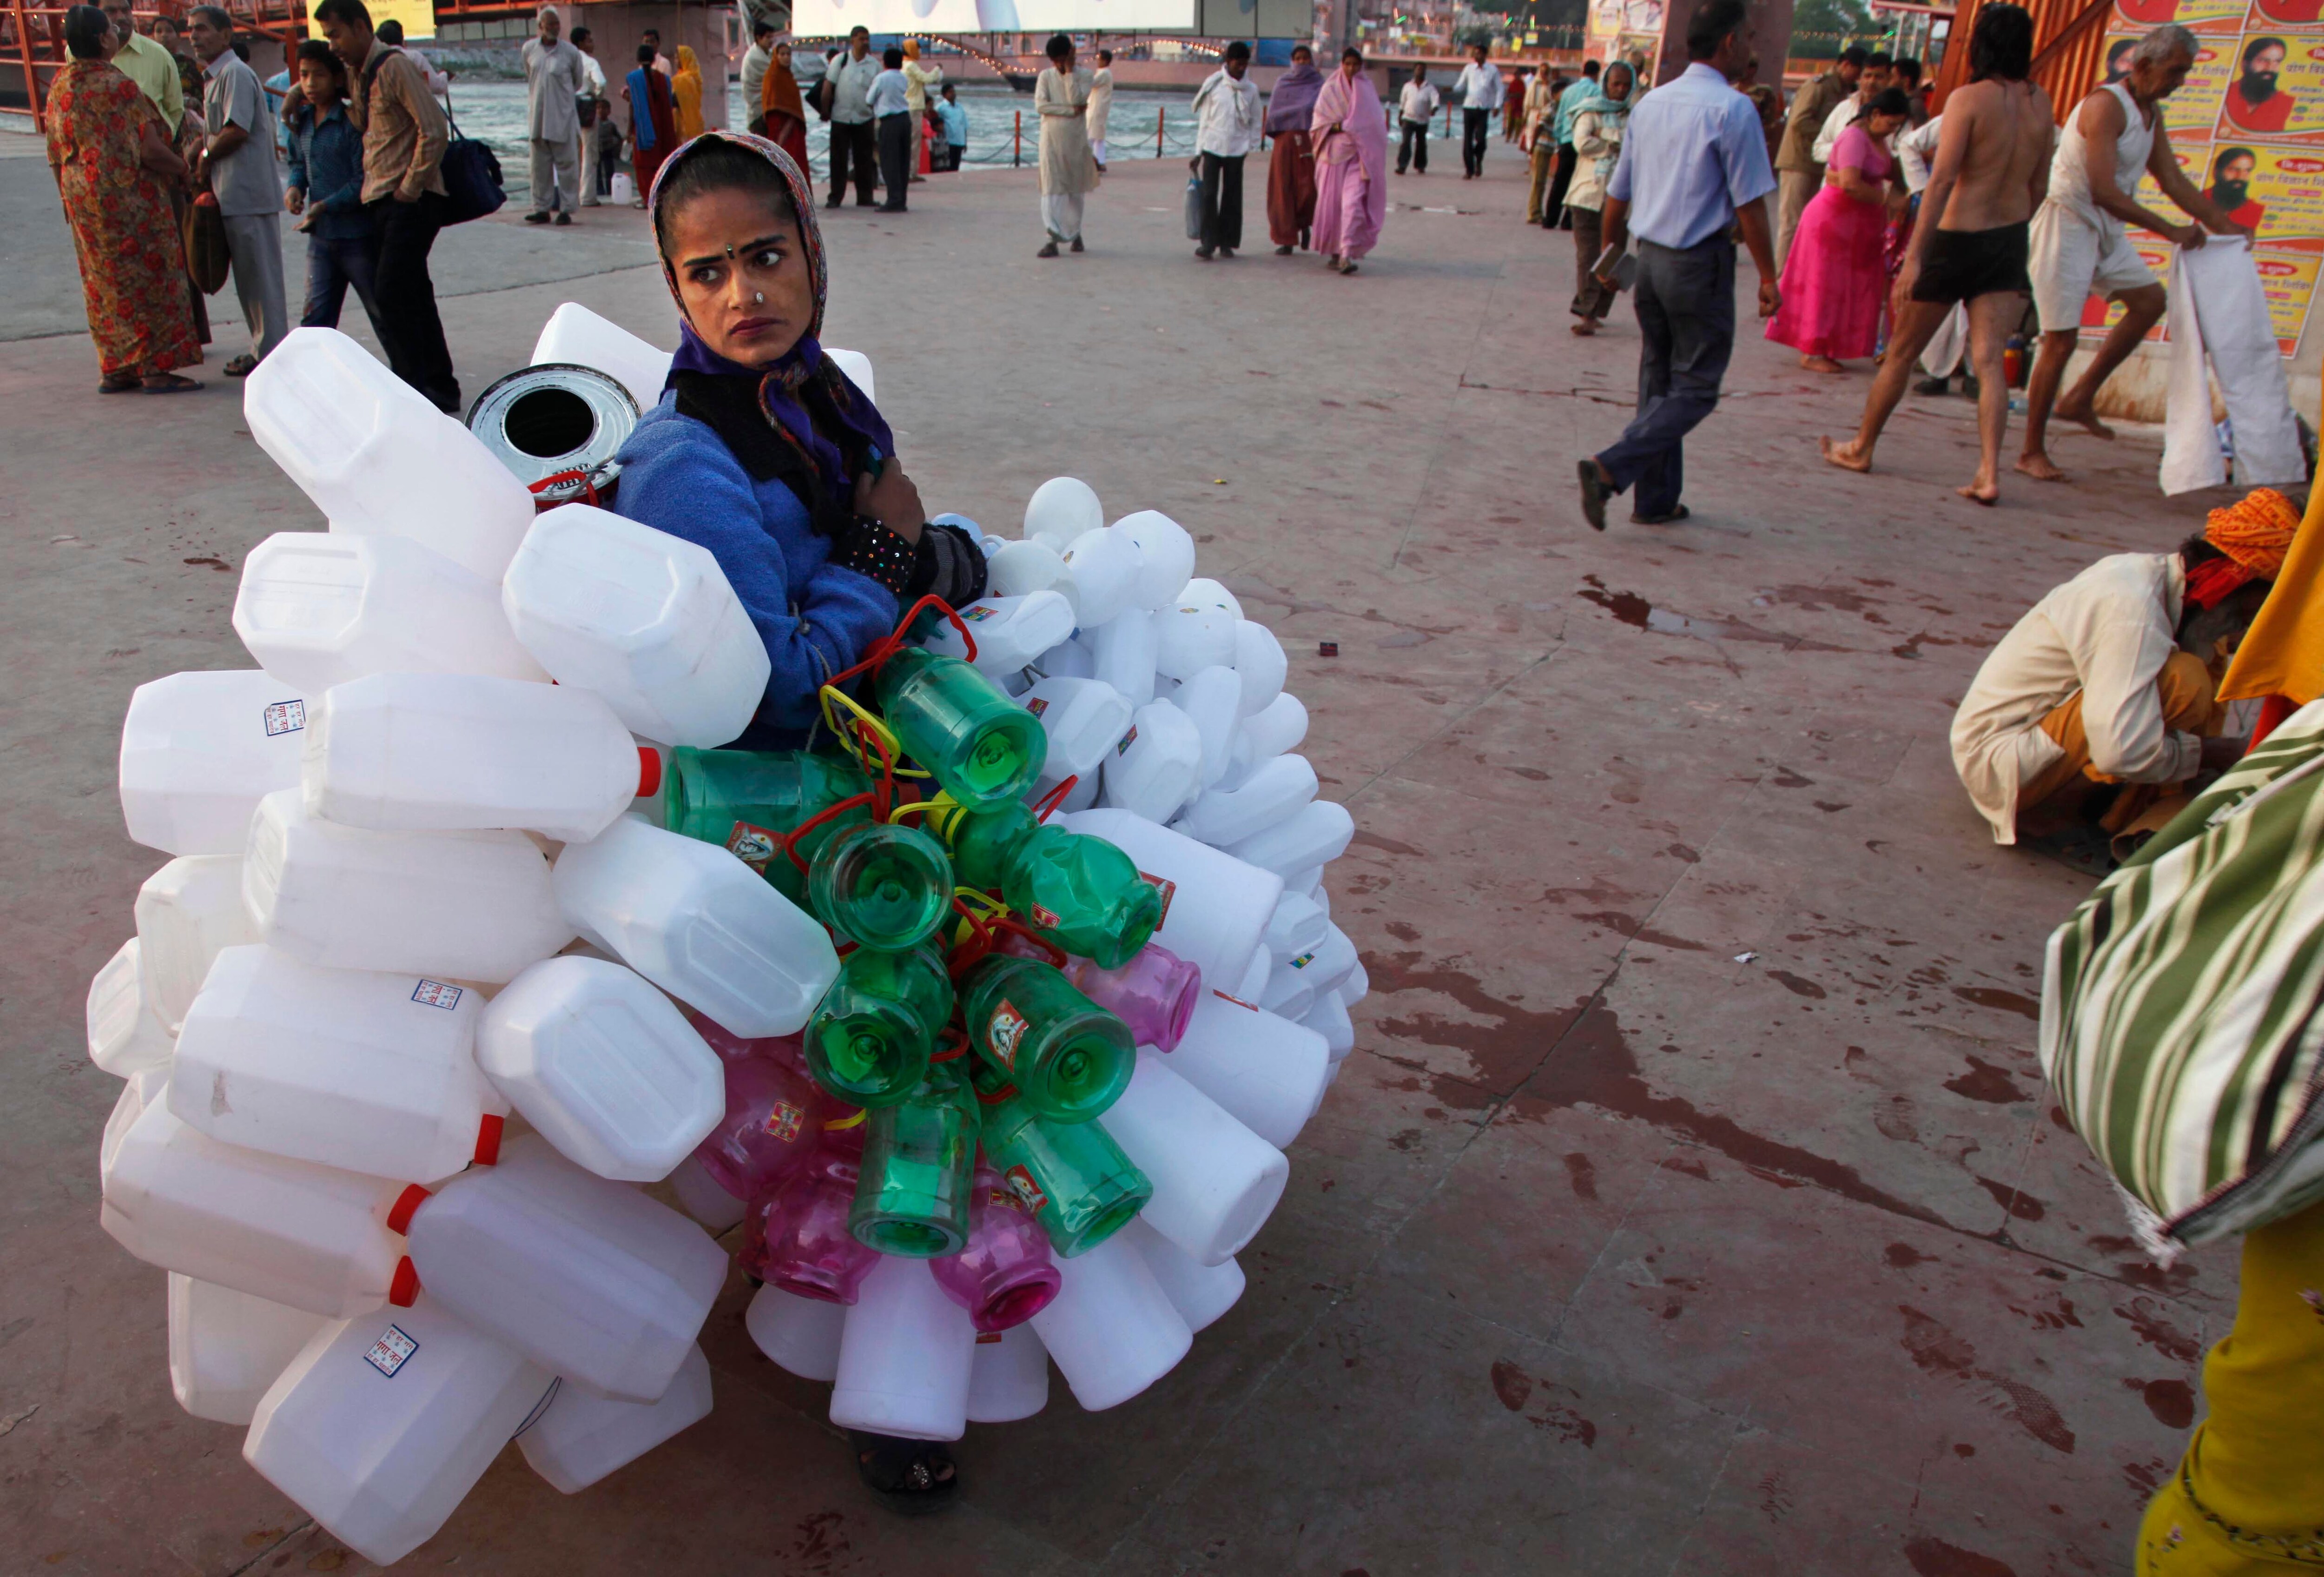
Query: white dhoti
{"x": 1061, "y": 213}
{"x": 2219, "y": 316}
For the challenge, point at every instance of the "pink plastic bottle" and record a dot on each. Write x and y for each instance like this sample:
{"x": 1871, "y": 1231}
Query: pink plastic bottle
{"x": 1005, "y": 1276}
{"x": 731, "y": 1047}
{"x": 796, "y": 1236}
{"x": 773, "y": 1123}
{"x": 1154, "y": 993}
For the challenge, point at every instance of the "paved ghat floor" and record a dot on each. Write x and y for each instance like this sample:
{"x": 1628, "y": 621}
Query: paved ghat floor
{"x": 1692, "y": 1203}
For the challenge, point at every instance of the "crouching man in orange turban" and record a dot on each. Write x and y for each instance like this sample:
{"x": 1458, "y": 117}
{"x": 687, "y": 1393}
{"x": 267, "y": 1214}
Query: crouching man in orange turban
{"x": 2100, "y": 707}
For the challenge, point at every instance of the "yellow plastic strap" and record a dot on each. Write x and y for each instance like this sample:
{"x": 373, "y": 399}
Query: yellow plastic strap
{"x": 846, "y": 1122}
{"x": 831, "y": 694}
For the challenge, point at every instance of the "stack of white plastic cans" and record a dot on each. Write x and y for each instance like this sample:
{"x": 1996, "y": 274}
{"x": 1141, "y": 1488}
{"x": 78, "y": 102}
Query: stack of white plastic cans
{"x": 426, "y": 989}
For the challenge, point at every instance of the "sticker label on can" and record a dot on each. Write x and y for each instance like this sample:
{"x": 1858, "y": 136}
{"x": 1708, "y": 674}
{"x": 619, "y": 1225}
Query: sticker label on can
{"x": 1168, "y": 889}
{"x": 1004, "y": 1199}
{"x": 1126, "y": 740}
{"x": 435, "y": 993}
{"x": 975, "y": 615}
{"x": 1044, "y": 916}
{"x": 753, "y": 845}
{"x": 391, "y": 1352}
{"x": 784, "y": 1121}
{"x": 1238, "y": 1001}
{"x": 1303, "y": 960}
{"x": 987, "y": 1338}
{"x": 1028, "y": 1193}
{"x": 1038, "y": 704}
{"x": 285, "y": 717}
{"x": 1004, "y": 1031}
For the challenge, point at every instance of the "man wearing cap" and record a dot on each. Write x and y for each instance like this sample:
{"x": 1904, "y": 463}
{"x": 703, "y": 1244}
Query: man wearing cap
{"x": 2101, "y": 705}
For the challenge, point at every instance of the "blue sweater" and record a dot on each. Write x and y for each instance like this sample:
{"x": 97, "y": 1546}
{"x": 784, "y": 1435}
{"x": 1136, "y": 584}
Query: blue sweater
{"x": 327, "y": 164}
{"x": 677, "y": 475}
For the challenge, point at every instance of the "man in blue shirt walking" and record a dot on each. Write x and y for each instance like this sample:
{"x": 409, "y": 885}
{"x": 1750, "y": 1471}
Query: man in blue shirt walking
{"x": 1693, "y": 166}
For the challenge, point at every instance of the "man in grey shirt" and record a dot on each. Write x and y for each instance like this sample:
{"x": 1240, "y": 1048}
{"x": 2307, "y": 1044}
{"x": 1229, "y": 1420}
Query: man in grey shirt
{"x": 238, "y": 161}
{"x": 554, "y": 81}
{"x": 854, "y": 137}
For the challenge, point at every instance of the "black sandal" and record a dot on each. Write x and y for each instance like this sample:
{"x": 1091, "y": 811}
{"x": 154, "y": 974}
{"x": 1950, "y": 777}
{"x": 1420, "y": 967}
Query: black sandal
{"x": 1678, "y": 513}
{"x": 912, "y": 1478}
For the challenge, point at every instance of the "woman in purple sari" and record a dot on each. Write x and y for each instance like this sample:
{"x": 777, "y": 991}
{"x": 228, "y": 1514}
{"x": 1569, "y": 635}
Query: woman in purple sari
{"x": 1291, "y": 172}
{"x": 1350, "y": 135}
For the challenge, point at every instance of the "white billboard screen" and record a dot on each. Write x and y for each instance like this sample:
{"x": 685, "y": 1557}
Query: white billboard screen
{"x": 834, "y": 18}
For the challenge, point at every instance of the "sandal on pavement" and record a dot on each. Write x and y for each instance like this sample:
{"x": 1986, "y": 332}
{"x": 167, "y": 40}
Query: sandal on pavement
{"x": 1678, "y": 513}
{"x": 117, "y": 384}
{"x": 1077, "y": 243}
{"x": 167, "y": 383}
{"x": 1050, "y": 250}
{"x": 242, "y": 366}
{"x": 1595, "y": 491}
{"x": 912, "y": 1478}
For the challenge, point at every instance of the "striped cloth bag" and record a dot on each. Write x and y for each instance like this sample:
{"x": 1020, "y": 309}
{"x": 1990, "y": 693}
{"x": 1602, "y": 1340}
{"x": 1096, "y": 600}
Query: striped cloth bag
{"x": 2182, "y": 1007}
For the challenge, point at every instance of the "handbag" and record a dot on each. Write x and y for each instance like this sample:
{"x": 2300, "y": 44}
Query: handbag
{"x": 1193, "y": 208}
{"x": 473, "y": 186}
{"x": 207, "y": 262}
{"x": 2182, "y": 1007}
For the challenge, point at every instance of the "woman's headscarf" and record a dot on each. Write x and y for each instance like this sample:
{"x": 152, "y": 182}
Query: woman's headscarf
{"x": 686, "y": 88}
{"x": 1355, "y": 104}
{"x": 801, "y": 420}
{"x": 649, "y": 89}
{"x": 1607, "y": 108}
{"x": 780, "y": 93}
{"x": 1292, "y": 106}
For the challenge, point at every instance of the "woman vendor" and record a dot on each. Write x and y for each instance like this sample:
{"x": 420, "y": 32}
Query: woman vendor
{"x": 761, "y": 450}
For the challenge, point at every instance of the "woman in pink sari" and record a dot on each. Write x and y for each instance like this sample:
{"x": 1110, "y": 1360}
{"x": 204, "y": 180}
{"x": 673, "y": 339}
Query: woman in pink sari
{"x": 1834, "y": 277}
{"x": 1350, "y": 135}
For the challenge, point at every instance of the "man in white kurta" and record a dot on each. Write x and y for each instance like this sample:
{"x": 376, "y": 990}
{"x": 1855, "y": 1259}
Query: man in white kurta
{"x": 554, "y": 81}
{"x": 1061, "y": 97}
{"x": 1100, "y": 110}
{"x": 2097, "y": 684}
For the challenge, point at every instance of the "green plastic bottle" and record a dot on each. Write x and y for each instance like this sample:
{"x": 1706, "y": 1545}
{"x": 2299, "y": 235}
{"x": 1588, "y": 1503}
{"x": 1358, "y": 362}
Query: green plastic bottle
{"x": 748, "y": 801}
{"x": 1069, "y": 1057}
{"x": 982, "y": 747}
{"x": 1071, "y": 1178}
{"x": 884, "y": 885}
{"x": 1078, "y": 891}
{"x": 919, "y": 1160}
{"x": 868, "y": 1041}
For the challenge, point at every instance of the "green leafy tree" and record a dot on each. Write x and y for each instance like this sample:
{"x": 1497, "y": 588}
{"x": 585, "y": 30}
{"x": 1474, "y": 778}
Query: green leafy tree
{"x": 1820, "y": 27}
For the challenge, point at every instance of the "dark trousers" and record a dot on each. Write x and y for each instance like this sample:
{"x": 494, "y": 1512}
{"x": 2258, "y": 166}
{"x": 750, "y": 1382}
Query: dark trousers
{"x": 896, "y": 158}
{"x": 946, "y": 155}
{"x": 857, "y": 145}
{"x": 1552, "y": 212}
{"x": 409, "y": 328}
{"x": 1222, "y": 201}
{"x": 1686, "y": 321}
{"x": 331, "y": 267}
{"x": 1413, "y": 149}
{"x": 1590, "y": 298}
{"x": 1476, "y": 131}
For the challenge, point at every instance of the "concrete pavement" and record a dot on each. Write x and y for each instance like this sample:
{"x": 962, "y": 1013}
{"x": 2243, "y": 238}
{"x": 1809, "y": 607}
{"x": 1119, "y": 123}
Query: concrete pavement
{"x": 1692, "y": 1203}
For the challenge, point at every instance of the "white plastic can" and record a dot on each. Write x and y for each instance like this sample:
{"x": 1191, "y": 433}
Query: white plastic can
{"x": 1272, "y": 792}
{"x": 450, "y": 905}
{"x": 1011, "y": 632}
{"x": 800, "y": 1334}
{"x": 1265, "y": 1070}
{"x": 576, "y": 336}
{"x": 375, "y": 457}
{"x": 700, "y": 924}
{"x": 589, "y": 1278}
{"x": 126, "y": 1034}
{"x": 227, "y": 1347}
{"x": 1165, "y": 555}
{"x": 319, "y": 608}
{"x": 198, "y": 750}
{"x": 1215, "y": 1181}
{"x": 577, "y": 1439}
{"x": 1061, "y": 509}
{"x": 451, "y": 752}
{"x": 1085, "y": 720}
{"x": 604, "y": 1066}
{"x": 1123, "y": 647}
{"x": 372, "y": 1072}
{"x": 1009, "y": 1379}
{"x": 1105, "y": 565}
{"x": 1156, "y": 766}
{"x": 1111, "y": 1329}
{"x": 383, "y": 1422}
{"x": 904, "y": 1356}
{"x": 187, "y": 912}
{"x": 645, "y": 618}
{"x": 1200, "y": 1293}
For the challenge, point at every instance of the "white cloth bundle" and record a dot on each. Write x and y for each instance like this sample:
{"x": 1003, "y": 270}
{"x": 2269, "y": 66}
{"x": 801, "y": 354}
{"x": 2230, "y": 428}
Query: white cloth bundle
{"x": 2218, "y": 311}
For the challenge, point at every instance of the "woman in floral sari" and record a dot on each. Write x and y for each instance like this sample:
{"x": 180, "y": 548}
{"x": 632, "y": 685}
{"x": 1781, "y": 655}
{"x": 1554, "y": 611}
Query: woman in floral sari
{"x": 109, "y": 155}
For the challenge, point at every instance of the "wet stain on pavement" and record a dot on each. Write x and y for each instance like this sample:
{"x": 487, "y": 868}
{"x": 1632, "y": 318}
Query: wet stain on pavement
{"x": 1798, "y": 985}
{"x": 2158, "y": 1332}
{"x": 1935, "y": 1350}
{"x": 1932, "y": 1557}
{"x": 1986, "y": 1081}
{"x": 1582, "y": 1175}
{"x": 1505, "y": 1051}
{"x": 1904, "y": 1257}
{"x": 2007, "y": 1001}
{"x": 1593, "y": 1064}
{"x": 2019, "y": 1203}
{"x": 1512, "y": 1384}
{"x": 2171, "y": 1401}
{"x": 1616, "y": 921}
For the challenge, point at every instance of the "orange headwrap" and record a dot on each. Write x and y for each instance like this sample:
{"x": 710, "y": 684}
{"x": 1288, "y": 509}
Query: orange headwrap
{"x": 2256, "y": 533}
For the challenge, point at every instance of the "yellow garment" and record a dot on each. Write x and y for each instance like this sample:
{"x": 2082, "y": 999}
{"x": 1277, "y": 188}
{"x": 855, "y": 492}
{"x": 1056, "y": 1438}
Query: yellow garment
{"x": 686, "y": 90}
{"x": 2283, "y": 654}
{"x": 2248, "y": 1497}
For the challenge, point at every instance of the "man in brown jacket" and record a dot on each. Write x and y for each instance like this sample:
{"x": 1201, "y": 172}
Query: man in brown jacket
{"x": 1798, "y": 171}
{"x": 404, "y": 136}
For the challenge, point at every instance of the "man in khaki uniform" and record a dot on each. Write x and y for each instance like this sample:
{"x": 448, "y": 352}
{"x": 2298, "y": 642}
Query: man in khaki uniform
{"x": 1798, "y": 171}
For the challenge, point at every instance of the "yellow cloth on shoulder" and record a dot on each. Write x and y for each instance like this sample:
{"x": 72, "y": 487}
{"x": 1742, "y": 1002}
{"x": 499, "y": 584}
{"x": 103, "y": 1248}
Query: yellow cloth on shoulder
{"x": 2283, "y": 652}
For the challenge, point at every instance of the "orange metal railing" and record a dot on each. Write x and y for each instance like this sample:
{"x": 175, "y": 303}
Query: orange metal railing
{"x": 2068, "y": 39}
{"x": 33, "y": 38}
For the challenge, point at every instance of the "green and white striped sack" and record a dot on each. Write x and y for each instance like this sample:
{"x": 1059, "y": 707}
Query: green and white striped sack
{"x": 2182, "y": 1007}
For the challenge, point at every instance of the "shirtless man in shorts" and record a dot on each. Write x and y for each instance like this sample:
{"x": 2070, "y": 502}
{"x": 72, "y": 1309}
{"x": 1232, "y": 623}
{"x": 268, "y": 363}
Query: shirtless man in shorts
{"x": 1991, "y": 168}
{"x": 2081, "y": 248}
